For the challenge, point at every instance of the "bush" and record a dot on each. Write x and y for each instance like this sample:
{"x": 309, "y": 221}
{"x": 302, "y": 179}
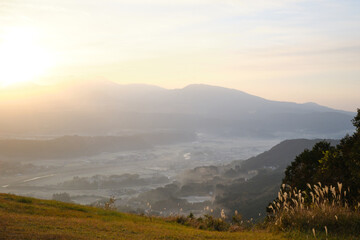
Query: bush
{"x": 206, "y": 222}
{"x": 320, "y": 209}
{"x": 62, "y": 197}
{"x": 24, "y": 200}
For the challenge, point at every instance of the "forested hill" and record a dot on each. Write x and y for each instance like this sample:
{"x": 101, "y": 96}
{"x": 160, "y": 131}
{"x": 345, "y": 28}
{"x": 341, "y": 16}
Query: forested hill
{"x": 282, "y": 154}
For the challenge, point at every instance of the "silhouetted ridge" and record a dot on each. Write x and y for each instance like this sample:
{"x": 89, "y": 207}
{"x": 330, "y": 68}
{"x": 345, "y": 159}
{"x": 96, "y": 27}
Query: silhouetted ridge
{"x": 104, "y": 107}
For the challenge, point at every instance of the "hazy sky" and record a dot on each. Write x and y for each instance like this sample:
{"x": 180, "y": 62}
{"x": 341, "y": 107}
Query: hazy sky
{"x": 290, "y": 50}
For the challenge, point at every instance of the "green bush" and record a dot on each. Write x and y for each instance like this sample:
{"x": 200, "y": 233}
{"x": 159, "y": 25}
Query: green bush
{"x": 24, "y": 200}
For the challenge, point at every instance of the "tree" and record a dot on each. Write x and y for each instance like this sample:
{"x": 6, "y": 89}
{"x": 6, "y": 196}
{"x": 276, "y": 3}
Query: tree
{"x": 305, "y": 167}
{"x": 356, "y": 121}
{"x": 329, "y": 165}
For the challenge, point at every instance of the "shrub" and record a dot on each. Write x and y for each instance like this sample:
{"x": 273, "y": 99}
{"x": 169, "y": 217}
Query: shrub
{"x": 320, "y": 209}
{"x": 206, "y": 222}
{"x": 62, "y": 197}
{"x": 24, "y": 200}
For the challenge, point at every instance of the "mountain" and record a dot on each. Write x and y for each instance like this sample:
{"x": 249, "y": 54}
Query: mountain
{"x": 79, "y": 146}
{"x": 104, "y": 107}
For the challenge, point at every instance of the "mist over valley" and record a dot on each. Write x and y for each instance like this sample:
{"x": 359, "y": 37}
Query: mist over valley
{"x": 157, "y": 151}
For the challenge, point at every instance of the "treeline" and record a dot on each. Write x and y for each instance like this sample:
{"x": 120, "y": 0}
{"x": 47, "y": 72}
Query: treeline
{"x": 320, "y": 194}
{"x": 329, "y": 165}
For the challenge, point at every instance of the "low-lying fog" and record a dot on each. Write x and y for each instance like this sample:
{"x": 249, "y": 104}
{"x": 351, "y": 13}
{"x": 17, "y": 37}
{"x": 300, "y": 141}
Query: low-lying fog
{"x": 123, "y": 174}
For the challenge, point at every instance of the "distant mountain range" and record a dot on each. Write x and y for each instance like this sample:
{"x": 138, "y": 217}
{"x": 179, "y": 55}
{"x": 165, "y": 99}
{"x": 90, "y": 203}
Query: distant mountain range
{"x": 104, "y": 107}
{"x": 79, "y": 146}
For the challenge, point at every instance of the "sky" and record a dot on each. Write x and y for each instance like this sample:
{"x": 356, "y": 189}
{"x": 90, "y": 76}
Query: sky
{"x": 287, "y": 50}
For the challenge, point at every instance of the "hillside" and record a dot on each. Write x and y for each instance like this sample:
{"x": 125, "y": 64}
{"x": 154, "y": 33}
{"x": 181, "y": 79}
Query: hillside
{"x": 251, "y": 197}
{"x": 281, "y": 155}
{"x": 29, "y": 218}
{"x": 246, "y": 186}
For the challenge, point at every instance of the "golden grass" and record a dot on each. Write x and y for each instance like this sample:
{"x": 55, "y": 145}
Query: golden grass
{"x": 321, "y": 210}
{"x": 28, "y": 218}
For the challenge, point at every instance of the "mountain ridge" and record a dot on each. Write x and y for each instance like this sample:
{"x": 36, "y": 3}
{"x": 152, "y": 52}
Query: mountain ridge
{"x": 105, "y": 107}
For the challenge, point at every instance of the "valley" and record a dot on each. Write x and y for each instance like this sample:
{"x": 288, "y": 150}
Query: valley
{"x": 134, "y": 171}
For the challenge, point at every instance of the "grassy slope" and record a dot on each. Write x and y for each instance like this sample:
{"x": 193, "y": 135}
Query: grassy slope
{"x": 29, "y": 218}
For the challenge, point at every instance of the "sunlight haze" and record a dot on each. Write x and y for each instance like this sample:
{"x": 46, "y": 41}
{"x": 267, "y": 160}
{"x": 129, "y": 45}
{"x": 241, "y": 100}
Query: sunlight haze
{"x": 298, "y": 50}
{"x": 179, "y": 119}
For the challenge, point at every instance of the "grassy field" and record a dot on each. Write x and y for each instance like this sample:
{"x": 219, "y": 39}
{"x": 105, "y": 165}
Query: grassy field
{"x": 29, "y": 218}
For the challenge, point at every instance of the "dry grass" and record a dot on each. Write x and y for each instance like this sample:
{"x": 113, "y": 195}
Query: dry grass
{"x": 321, "y": 210}
{"x": 28, "y": 218}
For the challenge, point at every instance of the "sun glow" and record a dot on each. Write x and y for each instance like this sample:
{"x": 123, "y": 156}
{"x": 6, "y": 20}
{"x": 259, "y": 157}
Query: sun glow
{"x": 22, "y": 59}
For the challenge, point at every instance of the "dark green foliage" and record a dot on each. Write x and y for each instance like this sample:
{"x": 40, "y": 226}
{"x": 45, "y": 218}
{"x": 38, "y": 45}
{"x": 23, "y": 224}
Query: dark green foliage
{"x": 305, "y": 167}
{"x": 206, "y": 222}
{"x": 356, "y": 120}
{"x": 24, "y": 200}
{"x": 329, "y": 165}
